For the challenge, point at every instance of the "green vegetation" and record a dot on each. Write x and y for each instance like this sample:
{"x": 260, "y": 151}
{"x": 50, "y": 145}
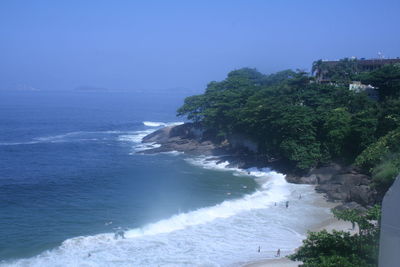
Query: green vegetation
{"x": 301, "y": 122}
{"x": 382, "y": 159}
{"x": 339, "y": 248}
{"x": 387, "y": 79}
{"x": 343, "y": 72}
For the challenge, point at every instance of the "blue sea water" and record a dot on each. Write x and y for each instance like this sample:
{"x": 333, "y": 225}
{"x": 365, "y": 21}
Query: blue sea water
{"x": 71, "y": 173}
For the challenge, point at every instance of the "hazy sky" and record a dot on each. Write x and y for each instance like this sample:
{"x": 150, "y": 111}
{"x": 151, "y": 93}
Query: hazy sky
{"x": 130, "y": 45}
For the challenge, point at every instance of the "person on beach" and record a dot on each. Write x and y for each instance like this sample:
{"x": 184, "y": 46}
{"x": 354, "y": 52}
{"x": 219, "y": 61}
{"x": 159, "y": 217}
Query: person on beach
{"x": 278, "y": 253}
{"x": 287, "y": 204}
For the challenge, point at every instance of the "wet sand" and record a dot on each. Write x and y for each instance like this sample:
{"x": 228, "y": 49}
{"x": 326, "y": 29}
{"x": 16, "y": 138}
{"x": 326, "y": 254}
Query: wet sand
{"x": 329, "y": 225}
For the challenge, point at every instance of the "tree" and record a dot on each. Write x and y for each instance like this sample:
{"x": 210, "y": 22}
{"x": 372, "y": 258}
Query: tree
{"x": 382, "y": 160}
{"x": 339, "y": 248}
{"x": 337, "y": 128}
{"x": 386, "y": 79}
{"x": 362, "y": 131}
{"x": 389, "y": 116}
{"x": 292, "y": 119}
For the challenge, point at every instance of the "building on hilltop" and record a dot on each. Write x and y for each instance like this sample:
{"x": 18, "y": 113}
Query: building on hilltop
{"x": 342, "y": 70}
{"x": 358, "y": 87}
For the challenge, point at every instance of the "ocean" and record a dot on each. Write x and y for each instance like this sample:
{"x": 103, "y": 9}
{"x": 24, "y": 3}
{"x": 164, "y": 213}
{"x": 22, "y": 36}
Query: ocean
{"x": 72, "y": 175}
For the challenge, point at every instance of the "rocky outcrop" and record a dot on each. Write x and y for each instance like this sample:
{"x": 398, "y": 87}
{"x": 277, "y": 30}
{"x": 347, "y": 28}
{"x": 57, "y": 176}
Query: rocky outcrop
{"x": 186, "y": 138}
{"x": 338, "y": 183}
{"x": 351, "y": 206}
{"x": 193, "y": 140}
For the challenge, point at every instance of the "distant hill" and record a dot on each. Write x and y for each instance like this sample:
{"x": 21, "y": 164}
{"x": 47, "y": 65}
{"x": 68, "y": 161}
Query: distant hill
{"x": 91, "y": 89}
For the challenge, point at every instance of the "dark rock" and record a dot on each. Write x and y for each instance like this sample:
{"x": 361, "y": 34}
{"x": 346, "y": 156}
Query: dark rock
{"x": 310, "y": 179}
{"x": 350, "y": 206}
{"x": 187, "y": 131}
{"x": 338, "y": 183}
{"x": 333, "y": 192}
{"x": 160, "y": 136}
{"x": 348, "y": 187}
{"x": 324, "y": 174}
{"x": 362, "y": 194}
{"x": 185, "y": 138}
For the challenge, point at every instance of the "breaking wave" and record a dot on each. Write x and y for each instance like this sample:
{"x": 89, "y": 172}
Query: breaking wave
{"x": 159, "y": 124}
{"x": 226, "y": 234}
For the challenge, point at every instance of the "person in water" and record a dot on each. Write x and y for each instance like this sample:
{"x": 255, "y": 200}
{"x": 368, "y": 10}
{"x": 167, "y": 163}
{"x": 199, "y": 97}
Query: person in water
{"x": 278, "y": 253}
{"x": 287, "y": 204}
{"x": 119, "y": 233}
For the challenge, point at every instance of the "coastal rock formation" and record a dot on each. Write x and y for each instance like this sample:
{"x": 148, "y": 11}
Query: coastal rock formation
{"x": 186, "y": 138}
{"x": 338, "y": 183}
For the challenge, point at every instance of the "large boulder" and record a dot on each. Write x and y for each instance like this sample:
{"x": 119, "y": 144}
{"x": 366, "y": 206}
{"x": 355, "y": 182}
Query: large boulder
{"x": 348, "y": 187}
{"x": 324, "y": 174}
{"x": 362, "y": 194}
{"x": 187, "y": 138}
{"x": 351, "y": 206}
{"x": 160, "y": 136}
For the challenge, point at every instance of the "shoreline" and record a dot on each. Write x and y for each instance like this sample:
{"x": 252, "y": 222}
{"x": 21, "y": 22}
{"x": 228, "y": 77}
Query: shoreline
{"x": 325, "y": 180}
{"x": 338, "y": 182}
{"x": 329, "y": 225}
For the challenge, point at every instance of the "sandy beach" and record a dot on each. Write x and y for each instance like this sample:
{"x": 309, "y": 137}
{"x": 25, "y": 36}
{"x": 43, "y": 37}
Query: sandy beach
{"x": 329, "y": 225}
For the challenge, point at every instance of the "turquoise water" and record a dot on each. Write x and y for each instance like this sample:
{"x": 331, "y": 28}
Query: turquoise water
{"x": 71, "y": 173}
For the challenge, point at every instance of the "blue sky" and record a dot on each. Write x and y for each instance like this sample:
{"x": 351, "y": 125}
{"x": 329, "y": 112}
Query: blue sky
{"x": 161, "y": 45}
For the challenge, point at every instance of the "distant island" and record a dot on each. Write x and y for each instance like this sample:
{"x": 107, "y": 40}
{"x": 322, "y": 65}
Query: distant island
{"x": 337, "y": 127}
{"x": 24, "y": 87}
{"x": 91, "y": 89}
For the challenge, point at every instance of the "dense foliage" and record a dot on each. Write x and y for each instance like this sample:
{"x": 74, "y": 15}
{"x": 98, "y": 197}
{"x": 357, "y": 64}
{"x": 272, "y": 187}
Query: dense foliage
{"x": 339, "y": 248}
{"x": 342, "y": 72}
{"x": 299, "y": 121}
{"x": 304, "y": 123}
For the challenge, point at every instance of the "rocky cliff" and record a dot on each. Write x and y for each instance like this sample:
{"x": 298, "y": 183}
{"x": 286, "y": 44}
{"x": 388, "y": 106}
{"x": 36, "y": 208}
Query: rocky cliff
{"x": 187, "y": 138}
{"x": 339, "y": 183}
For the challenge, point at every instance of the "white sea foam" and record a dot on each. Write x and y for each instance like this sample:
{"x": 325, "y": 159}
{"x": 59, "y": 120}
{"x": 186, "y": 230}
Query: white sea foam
{"x": 44, "y": 139}
{"x": 77, "y": 136}
{"x": 18, "y": 143}
{"x": 211, "y": 163}
{"x": 159, "y": 124}
{"x": 134, "y": 137}
{"x": 226, "y": 234}
{"x": 58, "y": 138}
{"x": 80, "y": 136}
{"x": 173, "y": 153}
{"x": 260, "y": 199}
{"x": 137, "y": 136}
{"x": 154, "y": 124}
{"x": 209, "y": 236}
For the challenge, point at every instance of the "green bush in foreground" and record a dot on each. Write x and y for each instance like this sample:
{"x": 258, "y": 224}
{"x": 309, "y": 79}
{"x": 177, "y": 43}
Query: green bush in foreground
{"x": 339, "y": 248}
{"x": 382, "y": 160}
